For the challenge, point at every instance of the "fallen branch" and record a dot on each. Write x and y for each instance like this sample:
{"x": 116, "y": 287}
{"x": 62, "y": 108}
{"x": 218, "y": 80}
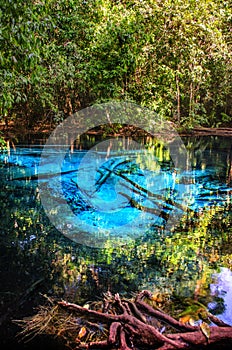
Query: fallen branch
{"x": 122, "y": 324}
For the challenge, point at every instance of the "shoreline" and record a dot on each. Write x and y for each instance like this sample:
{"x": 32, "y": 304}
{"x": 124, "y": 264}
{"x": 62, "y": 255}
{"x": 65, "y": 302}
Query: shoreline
{"x": 203, "y": 131}
{"x": 14, "y": 135}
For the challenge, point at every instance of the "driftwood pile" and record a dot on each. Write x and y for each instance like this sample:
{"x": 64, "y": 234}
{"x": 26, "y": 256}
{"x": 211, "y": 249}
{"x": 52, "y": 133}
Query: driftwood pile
{"x": 123, "y": 324}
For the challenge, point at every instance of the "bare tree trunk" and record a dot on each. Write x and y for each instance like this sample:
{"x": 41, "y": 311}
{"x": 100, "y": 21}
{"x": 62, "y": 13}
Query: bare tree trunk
{"x": 178, "y": 95}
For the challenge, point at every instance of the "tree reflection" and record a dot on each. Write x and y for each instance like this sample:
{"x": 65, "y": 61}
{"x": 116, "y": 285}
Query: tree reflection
{"x": 179, "y": 262}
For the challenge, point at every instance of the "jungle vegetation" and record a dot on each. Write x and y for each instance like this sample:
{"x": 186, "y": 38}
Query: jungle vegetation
{"x": 59, "y": 56}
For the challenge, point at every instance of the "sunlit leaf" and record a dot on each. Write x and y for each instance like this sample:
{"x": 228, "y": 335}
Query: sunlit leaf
{"x": 82, "y": 333}
{"x": 205, "y": 328}
{"x": 186, "y": 319}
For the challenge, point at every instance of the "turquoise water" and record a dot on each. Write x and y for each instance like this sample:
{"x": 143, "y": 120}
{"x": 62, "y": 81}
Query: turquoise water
{"x": 175, "y": 221}
{"x": 110, "y": 193}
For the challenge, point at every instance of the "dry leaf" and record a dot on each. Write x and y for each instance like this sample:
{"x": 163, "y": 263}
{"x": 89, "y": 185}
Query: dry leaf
{"x": 205, "y": 328}
{"x": 82, "y": 332}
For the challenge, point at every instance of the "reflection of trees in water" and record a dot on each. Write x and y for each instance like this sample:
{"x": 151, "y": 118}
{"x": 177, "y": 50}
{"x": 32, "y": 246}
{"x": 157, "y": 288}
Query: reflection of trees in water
{"x": 180, "y": 262}
{"x": 204, "y": 152}
{"x": 229, "y": 162}
{"x": 210, "y": 151}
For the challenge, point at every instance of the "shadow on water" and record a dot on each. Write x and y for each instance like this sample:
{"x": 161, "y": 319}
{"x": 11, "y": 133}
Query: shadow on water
{"x": 192, "y": 260}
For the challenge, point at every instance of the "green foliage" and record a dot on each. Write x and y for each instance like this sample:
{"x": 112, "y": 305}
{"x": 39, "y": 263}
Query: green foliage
{"x": 60, "y": 56}
{"x": 3, "y": 144}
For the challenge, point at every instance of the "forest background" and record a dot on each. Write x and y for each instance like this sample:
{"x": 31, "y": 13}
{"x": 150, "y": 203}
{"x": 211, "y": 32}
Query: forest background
{"x": 60, "y": 56}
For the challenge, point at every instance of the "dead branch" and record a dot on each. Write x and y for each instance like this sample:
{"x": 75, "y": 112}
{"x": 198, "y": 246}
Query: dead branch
{"x": 123, "y": 325}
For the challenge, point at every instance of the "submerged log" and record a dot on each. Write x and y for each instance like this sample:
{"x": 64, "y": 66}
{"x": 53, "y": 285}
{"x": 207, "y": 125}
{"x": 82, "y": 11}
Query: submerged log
{"x": 124, "y": 325}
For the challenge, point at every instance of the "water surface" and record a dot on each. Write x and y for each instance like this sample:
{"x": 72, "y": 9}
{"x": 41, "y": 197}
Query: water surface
{"x": 180, "y": 220}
